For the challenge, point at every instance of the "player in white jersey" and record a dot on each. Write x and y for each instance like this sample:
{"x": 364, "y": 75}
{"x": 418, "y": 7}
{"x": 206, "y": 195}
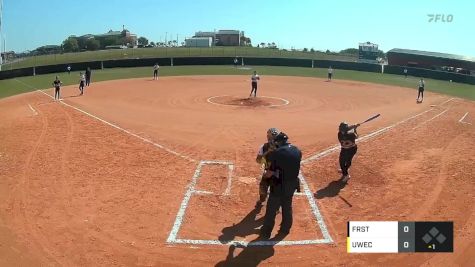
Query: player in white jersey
{"x": 82, "y": 81}
{"x": 421, "y": 91}
{"x": 330, "y": 73}
{"x": 155, "y": 71}
{"x": 254, "y": 79}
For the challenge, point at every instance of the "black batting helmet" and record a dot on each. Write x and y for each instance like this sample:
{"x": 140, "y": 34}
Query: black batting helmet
{"x": 343, "y": 127}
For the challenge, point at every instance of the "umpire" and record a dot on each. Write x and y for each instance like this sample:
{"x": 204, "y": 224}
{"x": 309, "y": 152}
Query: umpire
{"x": 285, "y": 160}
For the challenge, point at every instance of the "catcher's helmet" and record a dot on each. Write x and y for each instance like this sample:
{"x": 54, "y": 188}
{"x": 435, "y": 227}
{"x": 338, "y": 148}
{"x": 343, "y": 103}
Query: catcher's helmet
{"x": 273, "y": 131}
{"x": 343, "y": 127}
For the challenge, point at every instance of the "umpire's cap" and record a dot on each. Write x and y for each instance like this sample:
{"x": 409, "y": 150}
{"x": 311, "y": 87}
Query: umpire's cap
{"x": 281, "y": 138}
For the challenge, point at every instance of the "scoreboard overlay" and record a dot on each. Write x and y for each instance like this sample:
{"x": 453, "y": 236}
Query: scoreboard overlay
{"x": 399, "y": 237}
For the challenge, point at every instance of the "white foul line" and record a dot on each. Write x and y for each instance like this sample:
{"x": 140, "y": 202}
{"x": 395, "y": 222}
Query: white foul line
{"x": 124, "y": 130}
{"x": 336, "y": 147}
{"x": 463, "y": 117}
{"x": 315, "y": 210}
{"x": 436, "y": 116}
{"x": 461, "y": 120}
{"x": 446, "y": 101}
{"x": 33, "y": 110}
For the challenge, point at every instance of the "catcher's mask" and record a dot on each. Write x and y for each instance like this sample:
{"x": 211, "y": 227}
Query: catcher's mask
{"x": 343, "y": 127}
{"x": 272, "y": 133}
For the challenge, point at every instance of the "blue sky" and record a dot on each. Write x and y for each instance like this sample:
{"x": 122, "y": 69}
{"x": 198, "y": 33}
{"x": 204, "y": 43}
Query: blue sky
{"x": 321, "y": 25}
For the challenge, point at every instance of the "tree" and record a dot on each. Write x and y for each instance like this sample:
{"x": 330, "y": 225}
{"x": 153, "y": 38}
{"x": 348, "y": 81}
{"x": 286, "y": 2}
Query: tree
{"x": 350, "y": 51}
{"x": 245, "y": 41}
{"x": 305, "y": 49}
{"x": 312, "y": 50}
{"x": 143, "y": 41}
{"x": 92, "y": 44}
{"x": 152, "y": 43}
{"x": 263, "y": 44}
{"x": 128, "y": 41}
{"x": 82, "y": 43}
{"x": 70, "y": 45}
{"x": 111, "y": 40}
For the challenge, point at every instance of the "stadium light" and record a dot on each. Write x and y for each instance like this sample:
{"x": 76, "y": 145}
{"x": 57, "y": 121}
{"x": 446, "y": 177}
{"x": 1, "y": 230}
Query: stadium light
{"x": 1, "y": 33}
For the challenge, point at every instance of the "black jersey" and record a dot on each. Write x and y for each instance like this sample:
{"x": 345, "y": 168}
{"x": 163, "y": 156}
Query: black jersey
{"x": 286, "y": 161}
{"x": 347, "y": 140}
{"x": 57, "y": 83}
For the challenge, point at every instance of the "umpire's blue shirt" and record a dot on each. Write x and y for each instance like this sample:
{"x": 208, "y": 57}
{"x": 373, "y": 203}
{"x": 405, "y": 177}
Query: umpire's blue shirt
{"x": 286, "y": 159}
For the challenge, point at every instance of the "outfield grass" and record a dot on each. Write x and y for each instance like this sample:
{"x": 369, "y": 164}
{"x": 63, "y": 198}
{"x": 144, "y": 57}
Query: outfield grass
{"x": 24, "y": 84}
{"x": 167, "y": 52}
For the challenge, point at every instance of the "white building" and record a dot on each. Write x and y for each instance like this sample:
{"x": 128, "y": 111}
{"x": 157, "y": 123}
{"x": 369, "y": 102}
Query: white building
{"x": 199, "y": 42}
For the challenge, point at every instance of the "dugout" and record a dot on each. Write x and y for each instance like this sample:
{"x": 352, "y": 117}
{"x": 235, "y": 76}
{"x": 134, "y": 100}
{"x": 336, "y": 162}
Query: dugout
{"x": 431, "y": 60}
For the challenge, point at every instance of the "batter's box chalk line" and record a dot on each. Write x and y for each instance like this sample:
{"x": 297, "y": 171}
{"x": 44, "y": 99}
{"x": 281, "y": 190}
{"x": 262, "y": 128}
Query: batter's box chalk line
{"x": 173, "y": 236}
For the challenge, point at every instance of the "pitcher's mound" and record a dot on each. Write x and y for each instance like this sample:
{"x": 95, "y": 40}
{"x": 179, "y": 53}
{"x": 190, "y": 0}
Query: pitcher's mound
{"x": 260, "y": 101}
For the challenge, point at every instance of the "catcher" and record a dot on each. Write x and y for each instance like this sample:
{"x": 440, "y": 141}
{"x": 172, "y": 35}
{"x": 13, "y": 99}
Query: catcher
{"x": 262, "y": 158}
{"x": 347, "y": 136}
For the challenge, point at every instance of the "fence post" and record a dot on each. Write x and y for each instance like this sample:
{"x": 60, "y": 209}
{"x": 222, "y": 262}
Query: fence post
{"x": 34, "y": 71}
{"x": 102, "y": 65}
{"x": 312, "y": 63}
{"x": 171, "y": 62}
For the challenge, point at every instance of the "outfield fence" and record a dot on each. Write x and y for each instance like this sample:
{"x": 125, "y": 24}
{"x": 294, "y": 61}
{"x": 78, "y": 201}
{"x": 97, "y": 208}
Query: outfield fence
{"x": 248, "y": 61}
{"x": 175, "y": 52}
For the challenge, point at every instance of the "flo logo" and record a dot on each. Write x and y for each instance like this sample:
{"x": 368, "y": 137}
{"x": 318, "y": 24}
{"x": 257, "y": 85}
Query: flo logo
{"x": 440, "y": 17}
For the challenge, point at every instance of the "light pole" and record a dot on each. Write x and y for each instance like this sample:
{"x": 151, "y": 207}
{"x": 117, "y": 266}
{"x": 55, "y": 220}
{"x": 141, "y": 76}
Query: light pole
{"x": 1, "y": 34}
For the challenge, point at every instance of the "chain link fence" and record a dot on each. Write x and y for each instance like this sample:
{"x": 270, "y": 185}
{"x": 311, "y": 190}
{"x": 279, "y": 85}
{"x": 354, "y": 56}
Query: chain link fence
{"x": 157, "y": 52}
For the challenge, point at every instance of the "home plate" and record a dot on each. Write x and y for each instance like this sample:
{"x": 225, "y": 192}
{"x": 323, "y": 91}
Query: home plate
{"x": 247, "y": 179}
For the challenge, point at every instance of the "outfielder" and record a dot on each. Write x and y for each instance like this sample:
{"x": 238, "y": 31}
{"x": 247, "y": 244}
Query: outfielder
{"x": 88, "y": 76}
{"x": 254, "y": 79}
{"x": 421, "y": 91}
{"x": 236, "y": 62}
{"x": 262, "y": 158}
{"x": 330, "y": 73}
{"x": 82, "y": 82}
{"x": 347, "y": 139}
{"x": 155, "y": 71}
